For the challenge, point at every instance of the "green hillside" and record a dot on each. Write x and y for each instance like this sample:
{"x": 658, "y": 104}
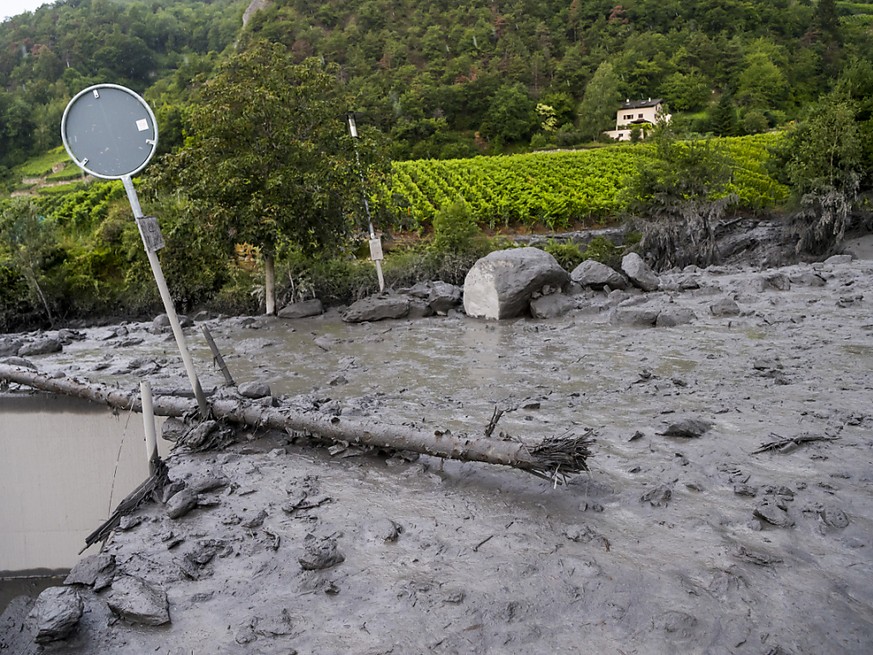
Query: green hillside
{"x": 472, "y": 117}
{"x": 446, "y": 80}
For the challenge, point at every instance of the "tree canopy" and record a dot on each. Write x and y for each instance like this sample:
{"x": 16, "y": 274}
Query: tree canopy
{"x": 433, "y": 75}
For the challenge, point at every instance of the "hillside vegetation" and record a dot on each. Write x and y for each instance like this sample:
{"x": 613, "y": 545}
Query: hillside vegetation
{"x": 448, "y": 79}
{"x": 472, "y": 117}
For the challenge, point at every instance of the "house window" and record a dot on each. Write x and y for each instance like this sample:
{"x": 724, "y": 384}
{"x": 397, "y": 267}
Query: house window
{"x": 628, "y": 117}
{"x": 639, "y": 116}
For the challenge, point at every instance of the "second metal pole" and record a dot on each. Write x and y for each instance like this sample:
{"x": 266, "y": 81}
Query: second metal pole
{"x": 168, "y": 303}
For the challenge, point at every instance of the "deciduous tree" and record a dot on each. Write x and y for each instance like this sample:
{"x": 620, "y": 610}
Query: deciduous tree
{"x": 601, "y": 100}
{"x": 824, "y": 166}
{"x": 268, "y": 157}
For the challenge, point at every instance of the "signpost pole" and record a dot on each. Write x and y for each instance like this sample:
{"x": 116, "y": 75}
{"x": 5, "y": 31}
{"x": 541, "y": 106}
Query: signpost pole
{"x": 168, "y": 300}
{"x": 111, "y": 132}
{"x": 375, "y": 243}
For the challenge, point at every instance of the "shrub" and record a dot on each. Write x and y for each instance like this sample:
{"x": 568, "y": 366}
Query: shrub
{"x": 567, "y": 253}
{"x": 454, "y": 228}
{"x": 603, "y": 250}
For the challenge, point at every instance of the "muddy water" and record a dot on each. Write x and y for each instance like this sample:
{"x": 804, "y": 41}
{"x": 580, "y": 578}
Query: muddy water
{"x": 660, "y": 549}
{"x": 65, "y": 464}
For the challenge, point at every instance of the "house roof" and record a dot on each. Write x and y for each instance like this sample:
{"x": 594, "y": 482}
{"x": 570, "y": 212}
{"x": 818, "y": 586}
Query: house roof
{"x": 638, "y": 104}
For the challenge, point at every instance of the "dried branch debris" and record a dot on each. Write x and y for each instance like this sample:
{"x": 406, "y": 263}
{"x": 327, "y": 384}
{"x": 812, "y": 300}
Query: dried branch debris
{"x": 787, "y": 444}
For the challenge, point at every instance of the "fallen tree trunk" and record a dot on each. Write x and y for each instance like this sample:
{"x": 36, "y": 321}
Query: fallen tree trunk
{"x": 553, "y": 458}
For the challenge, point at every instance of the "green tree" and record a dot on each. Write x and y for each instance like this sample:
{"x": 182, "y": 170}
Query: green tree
{"x": 511, "y": 116}
{"x": 27, "y": 239}
{"x": 687, "y": 91}
{"x": 602, "y": 98}
{"x": 824, "y": 166}
{"x": 723, "y": 120}
{"x": 681, "y": 192}
{"x": 762, "y": 84}
{"x": 269, "y": 157}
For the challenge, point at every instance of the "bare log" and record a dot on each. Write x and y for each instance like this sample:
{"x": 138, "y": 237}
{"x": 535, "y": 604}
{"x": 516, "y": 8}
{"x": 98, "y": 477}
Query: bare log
{"x": 553, "y": 458}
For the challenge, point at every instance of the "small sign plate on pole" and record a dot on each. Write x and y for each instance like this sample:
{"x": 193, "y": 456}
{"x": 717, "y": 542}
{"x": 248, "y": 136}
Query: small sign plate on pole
{"x": 150, "y": 232}
{"x": 376, "y": 250}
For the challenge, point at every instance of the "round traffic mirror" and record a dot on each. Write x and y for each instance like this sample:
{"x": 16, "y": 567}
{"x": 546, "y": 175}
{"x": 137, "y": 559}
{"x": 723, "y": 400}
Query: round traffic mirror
{"x": 109, "y": 131}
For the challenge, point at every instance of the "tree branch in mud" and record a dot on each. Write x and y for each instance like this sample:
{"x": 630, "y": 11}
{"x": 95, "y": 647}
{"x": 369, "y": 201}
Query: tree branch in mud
{"x": 787, "y": 444}
{"x": 553, "y": 458}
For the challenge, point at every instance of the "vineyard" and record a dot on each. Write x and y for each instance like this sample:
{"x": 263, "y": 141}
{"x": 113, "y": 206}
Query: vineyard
{"x": 556, "y": 189}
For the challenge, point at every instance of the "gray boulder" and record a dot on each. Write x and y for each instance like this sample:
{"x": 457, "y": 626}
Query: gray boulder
{"x": 725, "y": 307}
{"x": 10, "y": 347}
{"x": 40, "y": 347}
{"x": 94, "y": 571}
{"x": 419, "y": 308}
{"x": 639, "y": 273}
{"x": 634, "y": 316}
{"x": 675, "y": 316}
{"x": 808, "y": 278}
{"x": 551, "y": 306}
{"x": 254, "y": 389}
{"x": 839, "y": 259}
{"x": 778, "y": 281}
{"x": 376, "y": 308}
{"x": 161, "y": 323}
{"x": 592, "y": 273}
{"x": 57, "y": 612}
{"x": 443, "y": 296}
{"x": 501, "y": 284}
{"x": 302, "y": 309}
{"x": 136, "y": 601}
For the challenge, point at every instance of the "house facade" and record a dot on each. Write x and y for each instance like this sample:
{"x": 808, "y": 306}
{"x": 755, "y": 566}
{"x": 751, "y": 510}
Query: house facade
{"x": 642, "y": 113}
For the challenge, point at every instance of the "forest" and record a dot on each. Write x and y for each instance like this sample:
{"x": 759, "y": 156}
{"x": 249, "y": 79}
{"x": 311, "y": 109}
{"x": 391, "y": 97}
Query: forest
{"x": 459, "y": 105}
{"x": 448, "y": 80}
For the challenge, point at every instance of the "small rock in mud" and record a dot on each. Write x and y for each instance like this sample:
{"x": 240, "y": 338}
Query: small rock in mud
{"x": 137, "y": 601}
{"x": 182, "y": 503}
{"x": 93, "y": 571}
{"x": 173, "y": 429}
{"x": 320, "y": 554}
{"x": 745, "y": 490}
{"x": 833, "y": 517}
{"x": 756, "y": 557}
{"x": 725, "y": 307}
{"x": 688, "y": 428}
{"x": 384, "y": 530}
{"x": 256, "y": 521}
{"x": 254, "y": 389}
{"x": 129, "y": 522}
{"x": 679, "y": 623}
{"x": 769, "y": 510}
{"x": 57, "y": 610}
{"x": 659, "y": 496}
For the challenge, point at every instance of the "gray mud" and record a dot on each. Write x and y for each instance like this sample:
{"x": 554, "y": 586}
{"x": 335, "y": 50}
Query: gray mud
{"x": 672, "y": 544}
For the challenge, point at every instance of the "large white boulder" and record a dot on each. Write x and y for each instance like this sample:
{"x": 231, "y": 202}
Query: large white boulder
{"x": 500, "y": 285}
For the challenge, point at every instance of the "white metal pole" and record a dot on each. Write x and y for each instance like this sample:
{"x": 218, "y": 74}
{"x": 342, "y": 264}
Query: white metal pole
{"x": 168, "y": 303}
{"x": 374, "y": 255}
{"x": 148, "y": 422}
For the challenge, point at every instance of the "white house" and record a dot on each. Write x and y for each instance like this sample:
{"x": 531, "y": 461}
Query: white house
{"x": 644, "y": 113}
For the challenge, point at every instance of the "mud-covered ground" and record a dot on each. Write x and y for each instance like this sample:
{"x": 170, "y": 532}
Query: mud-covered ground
{"x": 672, "y": 544}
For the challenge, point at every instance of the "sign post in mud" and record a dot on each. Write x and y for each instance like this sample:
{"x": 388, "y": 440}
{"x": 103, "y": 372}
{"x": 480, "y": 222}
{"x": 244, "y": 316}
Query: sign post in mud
{"x": 375, "y": 242}
{"x": 111, "y": 133}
